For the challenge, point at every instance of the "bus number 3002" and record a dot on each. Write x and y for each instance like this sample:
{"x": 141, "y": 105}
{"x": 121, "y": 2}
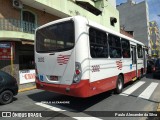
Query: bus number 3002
{"x": 95, "y": 68}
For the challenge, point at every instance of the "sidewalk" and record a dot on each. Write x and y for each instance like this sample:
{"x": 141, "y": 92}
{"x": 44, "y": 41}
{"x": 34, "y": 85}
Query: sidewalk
{"x": 27, "y": 87}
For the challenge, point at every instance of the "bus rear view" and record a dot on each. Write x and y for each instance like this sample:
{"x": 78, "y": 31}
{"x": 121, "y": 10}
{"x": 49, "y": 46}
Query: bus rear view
{"x": 78, "y": 57}
{"x": 56, "y": 68}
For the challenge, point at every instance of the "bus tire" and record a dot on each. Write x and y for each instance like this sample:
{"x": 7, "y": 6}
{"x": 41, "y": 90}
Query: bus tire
{"x": 119, "y": 84}
{"x": 141, "y": 76}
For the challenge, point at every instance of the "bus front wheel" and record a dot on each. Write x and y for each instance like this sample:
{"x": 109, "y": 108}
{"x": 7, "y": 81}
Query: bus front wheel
{"x": 119, "y": 84}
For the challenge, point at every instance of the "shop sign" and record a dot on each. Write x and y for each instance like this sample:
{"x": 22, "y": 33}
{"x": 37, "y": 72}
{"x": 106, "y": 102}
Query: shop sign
{"x": 26, "y": 76}
{"x": 5, "y": 50}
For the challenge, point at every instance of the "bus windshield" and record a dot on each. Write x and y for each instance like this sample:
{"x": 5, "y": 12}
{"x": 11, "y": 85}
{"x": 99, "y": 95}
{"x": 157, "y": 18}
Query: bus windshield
{"x": 55, "y": 38}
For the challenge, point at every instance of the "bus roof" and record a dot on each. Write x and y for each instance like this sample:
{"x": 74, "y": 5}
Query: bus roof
{"x": 54, "y": 22}
{"x": 93, "y": 24}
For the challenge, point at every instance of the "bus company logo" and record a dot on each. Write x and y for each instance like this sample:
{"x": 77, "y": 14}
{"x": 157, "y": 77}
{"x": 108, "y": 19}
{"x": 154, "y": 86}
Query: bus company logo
{"x": 63, "y": 59}
{"x": 119, "y": 64}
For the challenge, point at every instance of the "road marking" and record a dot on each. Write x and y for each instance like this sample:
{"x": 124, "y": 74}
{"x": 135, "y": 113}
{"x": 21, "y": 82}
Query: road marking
{"x": 69, "y": 112}
{"x": 132, "y": 89}
{"x": 50, "y": 107}
{"x": 148, "y": 91}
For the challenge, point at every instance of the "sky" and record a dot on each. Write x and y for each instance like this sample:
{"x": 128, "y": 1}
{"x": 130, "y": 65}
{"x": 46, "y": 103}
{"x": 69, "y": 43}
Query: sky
{"x": 154, "y": 9}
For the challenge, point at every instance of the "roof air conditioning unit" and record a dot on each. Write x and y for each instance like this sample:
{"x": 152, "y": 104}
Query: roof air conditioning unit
{"x": 17, "y": 4}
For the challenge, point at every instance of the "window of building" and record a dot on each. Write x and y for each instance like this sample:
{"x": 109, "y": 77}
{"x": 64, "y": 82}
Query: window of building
{"x": 98, "y": 43}
{"x": 28, "y": 17}
{"x": 114, "y": 46}
{"x": 28, "y": 20}
{"x": 140, "y": 51}
{"x": 125, "y": 48}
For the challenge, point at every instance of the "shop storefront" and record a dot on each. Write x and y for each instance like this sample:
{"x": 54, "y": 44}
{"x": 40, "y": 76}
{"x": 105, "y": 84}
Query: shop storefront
{"x": 17, "y": 59}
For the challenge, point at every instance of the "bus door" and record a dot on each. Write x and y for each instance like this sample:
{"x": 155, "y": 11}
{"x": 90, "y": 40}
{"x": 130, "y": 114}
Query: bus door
{"x": 144, "y": 60}
{"x": 134, "y": 62}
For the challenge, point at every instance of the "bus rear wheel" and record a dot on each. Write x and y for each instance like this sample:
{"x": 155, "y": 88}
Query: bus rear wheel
{"x": 141, "y": 74}
{"x": 119, "y": 84}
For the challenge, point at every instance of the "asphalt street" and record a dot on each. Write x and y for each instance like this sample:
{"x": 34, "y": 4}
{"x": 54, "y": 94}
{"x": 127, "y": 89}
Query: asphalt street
{"x": 140, "y": 95}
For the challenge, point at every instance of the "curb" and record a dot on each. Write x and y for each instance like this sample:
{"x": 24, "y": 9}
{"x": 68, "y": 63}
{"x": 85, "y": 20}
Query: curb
{"x": 27, "y": 89}
{"x": 158, "y": 108}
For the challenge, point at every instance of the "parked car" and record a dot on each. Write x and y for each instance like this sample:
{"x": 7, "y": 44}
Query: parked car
{"x": 156, "y": 72}
{"x": 8, "y": 88}
{"x": 150, "y": 66}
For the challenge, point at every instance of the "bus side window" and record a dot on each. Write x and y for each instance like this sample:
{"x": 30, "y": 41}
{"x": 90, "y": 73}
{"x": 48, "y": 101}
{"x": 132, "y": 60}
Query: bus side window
{"x": 93, "y": 52}
{"x": 125, "y": 48}
{"x": 113, "y": 53}
{"x": 139, "y": 51}
{"x": 114, "y": 46}
{"x": 98, "y": 43}
{"x": 133, "y": 54}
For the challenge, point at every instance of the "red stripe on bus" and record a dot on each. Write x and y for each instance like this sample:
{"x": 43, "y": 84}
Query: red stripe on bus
{"x": 85, "y": 88}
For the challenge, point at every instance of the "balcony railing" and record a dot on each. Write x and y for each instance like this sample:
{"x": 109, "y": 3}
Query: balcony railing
{"x": 17, "y": 25}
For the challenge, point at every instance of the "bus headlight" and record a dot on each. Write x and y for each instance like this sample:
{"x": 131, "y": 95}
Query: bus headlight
{"x": 78, "y": 73}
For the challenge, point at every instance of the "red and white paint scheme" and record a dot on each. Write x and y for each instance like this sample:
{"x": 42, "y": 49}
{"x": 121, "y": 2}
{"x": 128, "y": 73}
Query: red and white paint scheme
{"x": 63, "y": 59}
{"x": 77, "y": 57}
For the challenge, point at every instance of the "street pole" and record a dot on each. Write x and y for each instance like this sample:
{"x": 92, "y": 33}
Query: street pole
{"x": 159, "y": 39}
{"x": 12, "y": 68}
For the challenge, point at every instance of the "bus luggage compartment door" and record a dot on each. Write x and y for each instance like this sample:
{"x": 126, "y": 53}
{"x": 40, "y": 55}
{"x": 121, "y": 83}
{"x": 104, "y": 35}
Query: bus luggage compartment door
{"x": 57, "y": 68}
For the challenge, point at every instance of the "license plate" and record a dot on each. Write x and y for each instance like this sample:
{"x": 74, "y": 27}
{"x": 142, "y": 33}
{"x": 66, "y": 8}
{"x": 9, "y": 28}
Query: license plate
{"x": 54, "y": 78}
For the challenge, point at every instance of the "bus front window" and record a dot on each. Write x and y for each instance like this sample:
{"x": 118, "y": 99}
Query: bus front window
{"x": 55, "y": 38}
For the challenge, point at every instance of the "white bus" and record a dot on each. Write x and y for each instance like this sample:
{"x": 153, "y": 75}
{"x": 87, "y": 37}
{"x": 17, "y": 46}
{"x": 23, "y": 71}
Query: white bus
{"x": 77, "y": 57}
